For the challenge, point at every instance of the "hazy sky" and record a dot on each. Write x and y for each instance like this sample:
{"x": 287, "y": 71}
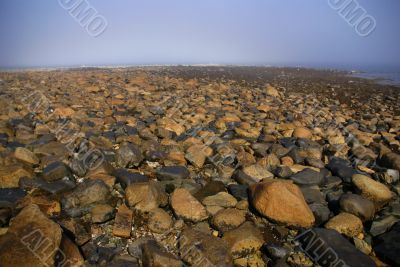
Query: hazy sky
{"x": 277, "y": 32}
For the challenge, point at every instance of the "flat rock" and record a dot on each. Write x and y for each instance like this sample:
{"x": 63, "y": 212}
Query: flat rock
{"x": 375, "y": 191}
{"x": 23, "y": 240}
{"x": 187, "y": 207}
{"x": 26, "y": 156}
{"x": 222, "y": 199}
{"x": 172, "y": 172}
{"x": 257, "y": 172}
{"x": 307, "y": 177}
{"x": 128, "y": 155}
{"x": 125, "y": 177}
{"x": 345, "y": 223}
{"x": 283, "y": 202}
{"x": 55, "y": 171}
{"x": 200, "y": 249}
{"x": 159, "y": 221}
{"x": 102, "y": 213}
{"x": 123, "y": 222}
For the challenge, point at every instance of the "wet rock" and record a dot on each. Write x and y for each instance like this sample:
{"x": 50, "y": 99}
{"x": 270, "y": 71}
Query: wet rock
{"x": 357, "y": 205}
{"x": 124, "y": 261}
{"x": 128, "y": 155}
{"x": 172, "y": 172}
{"x": 283, "y": 202}
{"x": 200, "y": 249}
{"x": 123, "y": 222}
{"x": 102, "y": 213}
{"x": 154, "y": 256}
{"x": 187, "y": 207}
{"x": 387, "y": 246}
{"x": 244, "y": 240}
{"x": 55, "y": 171}
{"x": 159, "y": 221}
{"x": 362, "y": 246}
{"x": 222, "y": 199}
{"x": 333, "y": 248}
{"x": 19, "y": 245}
{"x": 146, "y": 196}
{"x": 228, "y": 219}
{"x": 26, "y": 156}
{"x": 126, "y": 178}
{"x": 307, "y": 177}
{"x": 345, "y": 223}
{"x": 372, "y": 190}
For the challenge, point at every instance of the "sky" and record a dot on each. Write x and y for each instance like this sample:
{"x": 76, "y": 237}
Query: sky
{"x": 44, "y": 33}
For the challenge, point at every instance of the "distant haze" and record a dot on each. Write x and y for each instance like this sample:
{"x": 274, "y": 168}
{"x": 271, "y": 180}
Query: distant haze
{"x": 243, "y": 32}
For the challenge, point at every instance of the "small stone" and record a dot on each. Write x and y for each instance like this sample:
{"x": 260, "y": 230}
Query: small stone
{"x": 187, "y": 207}
{"x": 302, "y": 132}
{"x": 345, "y": 223}
{"x": 357, "y": 205}
{"x": 102, "y": 213}
{"x": 228, "y": 219}
{"x": 383, "y": 224}
{"x": 271, "y": 91}
{"x": 373, "y": 190}
{"x": 197, "y": 155}
{"x": 244, "y": 240}
{"x": 307, "y": 177}
{"x": 146, "y": 196}
{"x": 257, "y": 172}
{"x": 283, "y": 202}
{"x": 123, "y": 222}
{"x": 221, "y": 199}
{"x": 125, "y": 177}
{"x": 25, "y": 155}
{"x": 55, "y": 171}
{"x": 168, "y": 173}
{"x": 159, "y": 221}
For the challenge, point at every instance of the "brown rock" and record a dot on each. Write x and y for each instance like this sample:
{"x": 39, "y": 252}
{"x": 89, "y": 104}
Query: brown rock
{"x": 197, "y": 155}
{"x": 228, "y": 219}
{"x": 187, "y": 207}
{"x": 373, "y": 190}
{"x": 345, "y": 223}
{"x": 282, "y": 201}
{"x": 70, "y": 256}
{"x": 146, "y": 196}
{"x": 159, "y": 221}
{"x": 271, "y": 91}
{"x": 302, "y": 132}
{"x": 123, "y": 222}
{"x": 102, "y": 213}
{"x": 10, "y": 175}
{"x": 25, "y": 155}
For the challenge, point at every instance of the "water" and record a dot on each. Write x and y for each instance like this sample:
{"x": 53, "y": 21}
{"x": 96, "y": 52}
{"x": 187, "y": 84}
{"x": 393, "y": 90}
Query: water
{"x": 383, "y": 77}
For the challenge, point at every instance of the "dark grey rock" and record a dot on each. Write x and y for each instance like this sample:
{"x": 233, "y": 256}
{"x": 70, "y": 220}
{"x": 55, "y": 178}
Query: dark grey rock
{"x": 210, "y": 189}
{"x": 331, "y": 182}
{"x": 128, "y": 155}
{"x": 317, "y": 163}
{"x": 307, "y": 177}
{"x": 238, "y": 191}
{"x": 125, "y": 177}
{"x": 9, "y": 196}
{"x": 55, "y": 171}
{"x": 341, "y": 168}
{"x": 276, "y": 252}
{"x": 321, "y": 213}
{"x": 383, "y": 224}
{"x": 283, "y": 172}
{"x": 172, "y": 172}
{"x": 387, "y": 246}
{"x": 329, "y": 248}
{"x": 357, "y": 205}
{"x": 312, "y": 195}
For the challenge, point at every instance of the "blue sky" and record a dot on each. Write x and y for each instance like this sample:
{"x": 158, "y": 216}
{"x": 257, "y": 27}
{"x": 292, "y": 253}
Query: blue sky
{"x": 276, "y": 32}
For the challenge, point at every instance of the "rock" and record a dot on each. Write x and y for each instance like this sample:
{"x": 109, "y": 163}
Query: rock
{"x": 86, "y": 194}
{"x": 128, "y": 155}
{"x": 362, "y": 246}
{"x": 55, "y": 171}
{"x": 124, "y": 261}
{"x": 372, "y": 190}
{"x": 271, "y": 91}
{"x": 24, "y": 239}
{"x": 10, "y": 175}
{"x": 341, "y": 168}
{"x": 26, "y": 156}
{"x": 321, "y": 213}
{"x": 257, "y": 172}
{"x": 159, "y": 221}
{"x": 47, "y": 205}
{"x": 345, "y": 223}
{"x": 187, "y": 207}
{"x": 70, "y": 254}
{"x": 146, "y": 196}
{"x": 283, "y": 172}
{"x": 391, "y": 160}
{"x": 197, "y": 155}
{"x": 387, "y": 246}
{"x": 123, "y": 222}
{"x": 312, "y": 194}
{"x": 222, "y": 199}
{"x": 238, "y": 191}
{"x": 333, "y": 249}
{"x": 201, "y": 249}
{"x": 102, "y": 213}
{"x": 302, "y": 132}
{"x": 125, "y": 177}
{"x": 283, "y": 202}
{"x": 10, "y": 196}
{"x": 154, "y": 256}
{"x": 307, "y": 177}
{"x": 391, "y": 176}
{"x": 357, "y": 205}
{"x": 210, "y": 189}
{"x": 244, "y": 240}
{"x": 383, "y": 224}
{"x": 277, "y": 252}
{"x": 168, "y": 173}
{"x": 228, "y": 219}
